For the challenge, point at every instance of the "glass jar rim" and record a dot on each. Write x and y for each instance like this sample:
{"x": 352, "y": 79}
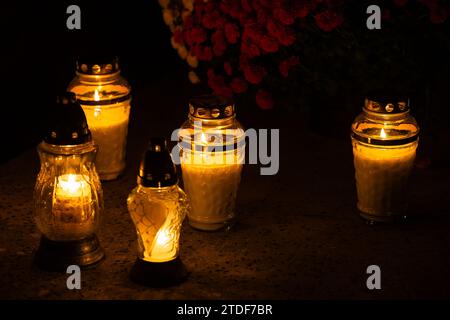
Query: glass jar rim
{"x": 78, "y": 149}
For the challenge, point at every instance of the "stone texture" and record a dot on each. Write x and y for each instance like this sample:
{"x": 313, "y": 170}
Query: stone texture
{"x": 298, "y": 233}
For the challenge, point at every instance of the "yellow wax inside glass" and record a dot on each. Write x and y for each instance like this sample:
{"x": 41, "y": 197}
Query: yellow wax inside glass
{"x": 382, "y": 174}
{"x": 164, "y": 246}
{"x": 157, "y": 226}
{"x": 211, "y": 181}
{"x": 109, "y": 128}
{"x": 71, "y": 209}
{"x": 73, "y": 186}
{"x": 106, "y": 116}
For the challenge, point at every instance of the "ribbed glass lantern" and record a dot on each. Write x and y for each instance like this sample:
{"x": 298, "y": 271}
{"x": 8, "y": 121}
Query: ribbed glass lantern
{"x": 68, "y": 193}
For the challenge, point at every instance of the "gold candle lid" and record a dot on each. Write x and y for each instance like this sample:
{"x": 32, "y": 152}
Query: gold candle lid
{"x": 97, "y": 65}
{"x": 387, "y": 105}
{"x": 386, "y": 121}
{"x": 211, "y": 107}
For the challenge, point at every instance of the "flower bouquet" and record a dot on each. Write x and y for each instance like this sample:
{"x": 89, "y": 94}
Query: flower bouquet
{"x": 291, "y": 50}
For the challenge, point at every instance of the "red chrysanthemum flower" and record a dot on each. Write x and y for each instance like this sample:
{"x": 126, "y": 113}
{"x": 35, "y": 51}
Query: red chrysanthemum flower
{"x": 250, "y": 49}
{"x": 284, "y": 16}
{"x": 438, "y": 15}
{"x": 225, "y": 6}
{"x": 228, "y": 69}
{"x": 220, "y": 22}
{"x": 262, "y": 16}
{"x": 274, "y": 29}
{"x": 268, "y": 44}
{"x": 210, "y": 6}
{"x": 246, "y": 6}
{"x": 235, "y": 9}
{"x": 270, "y": 4}
{"x": 218, "y": 85}
{"x": 231, "y": 32}
{"x": 328, "y": 20}
{"x": 288, "y": 37}
{"x": 198, "y": 35}
{"x": 400, "y": 3}
{"x": 239, "y": 85}
{"x": 386, "y": 15}
{"x": 284, "y": 35}
{"x": 264, "y": 99}
{"x": 256, "y": 5}
{"x": 219, "y": 43}
{"x": 301, "y": 9}
{"x": 254, "y": 74}
{"x": 208, "y": 21}
{"x": 244, "y": 61}
{"x": 285, "y": 65}
{"x": 203, "y": 53}
{"x": 252, "y": 33}
{"x": 178, "y": 36}
{"x": 188, "y": 23}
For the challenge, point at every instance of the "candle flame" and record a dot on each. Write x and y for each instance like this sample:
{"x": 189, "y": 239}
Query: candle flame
{"x": 203, "y": 138}
{"x": 96, "y": 95}
{"x": 70, "y": 183}
{"x": 383, "y": 134}
{"x": 163, "y": 238}
{"x": 73, "y": 186}
{"x": 164, "y": 245}
{"x": 97, "y": 111}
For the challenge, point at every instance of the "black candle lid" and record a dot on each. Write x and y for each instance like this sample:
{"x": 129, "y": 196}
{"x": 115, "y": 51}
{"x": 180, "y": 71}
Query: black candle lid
{"x": 387, "y": 102}
{"x": 210, "y": 106}
{"x": 97, "y": 64}
{"x": 67, "y": 123}
{"x": 157, "y": 169}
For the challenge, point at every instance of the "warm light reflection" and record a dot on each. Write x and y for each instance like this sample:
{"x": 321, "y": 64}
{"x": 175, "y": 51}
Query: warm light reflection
{"x": 72, "y": 185}
{"x": 164, "y": 246}
{"x": 383, "y": 134}
{"x": 96, "y": 95}
{"x": 97, "y": 111}
{"x": 203, "y": 138}
{"x": 163, "y": 238}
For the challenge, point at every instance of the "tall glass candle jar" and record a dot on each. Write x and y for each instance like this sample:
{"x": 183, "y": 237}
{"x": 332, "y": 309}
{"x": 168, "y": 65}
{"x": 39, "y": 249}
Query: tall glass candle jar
{"x": 158, "y": 207}
{"x": 68, "y": 194}
{"x": 212, "y": 143}
{"x": 385, "y": 139}
{"x": 105, "y": 97}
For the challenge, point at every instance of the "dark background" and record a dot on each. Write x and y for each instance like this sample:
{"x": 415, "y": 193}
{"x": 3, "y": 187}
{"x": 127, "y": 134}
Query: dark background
{"x": 38, "y": 56}
{"x": 38, "y": 60}
{"x": 298, "y": 235}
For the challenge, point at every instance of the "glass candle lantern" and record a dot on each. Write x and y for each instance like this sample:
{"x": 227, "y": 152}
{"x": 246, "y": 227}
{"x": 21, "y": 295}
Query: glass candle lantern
{"x": 212, "y": 153}
{"x": 68, "y": 194}
{"x": 158, "y": 207}
{"x": 105, "y": 97}
{"x": 385, "y": 139}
